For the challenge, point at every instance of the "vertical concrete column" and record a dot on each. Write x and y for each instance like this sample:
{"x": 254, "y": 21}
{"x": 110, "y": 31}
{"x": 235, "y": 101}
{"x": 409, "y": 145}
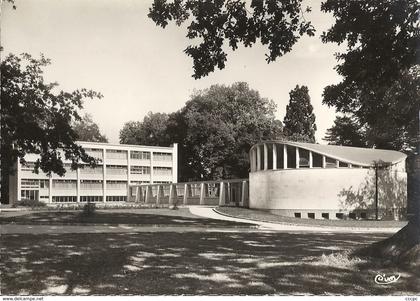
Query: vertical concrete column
{"x": 350, "y": 165}
{"x": 202, "y": 193}
{"x": 158, "y": 189}
{"x": 297, "y": 157}
{"x": 337, "y": 163}
{"x": 104, "y": 174}
{"x": 147, "y": 196}
{"x": 222, "y": 194}
{"x": 78, "y": 185}
{"x": 128, "y": 174}
{"x": 244, "y": 192}
{"x": 151, "y": 168}
{"x": 274, "y": 156}
{"x": 172, "y": 193}
{"x": 285, "y": 156}
{"x": 324, "y": 162}
{"x": 251, "y": 160}
{"x": 184, "y": 201}
{"x": 311, "y": 160}
{"x": 265, "y": 156}
{"x": 50, "y": 183}
{"x": 19, "y": 184}
{"x": 175, "y": 163}
{"x": 258, "y": 157}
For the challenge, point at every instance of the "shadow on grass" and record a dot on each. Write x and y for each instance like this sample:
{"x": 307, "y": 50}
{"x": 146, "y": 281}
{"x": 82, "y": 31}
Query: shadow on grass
{"x": 181, "y": 217}
{"x": 216, "y": 263}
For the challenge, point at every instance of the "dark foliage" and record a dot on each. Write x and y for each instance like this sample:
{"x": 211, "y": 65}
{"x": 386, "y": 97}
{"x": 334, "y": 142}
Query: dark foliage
{"x": 277, "y": 24}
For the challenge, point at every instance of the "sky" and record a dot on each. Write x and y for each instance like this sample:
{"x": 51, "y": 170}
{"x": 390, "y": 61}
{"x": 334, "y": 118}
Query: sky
{"x": 112, "y": 47}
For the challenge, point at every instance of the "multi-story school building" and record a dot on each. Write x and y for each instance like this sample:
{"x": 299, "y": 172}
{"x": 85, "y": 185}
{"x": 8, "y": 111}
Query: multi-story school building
{"x": 120, "y": 165}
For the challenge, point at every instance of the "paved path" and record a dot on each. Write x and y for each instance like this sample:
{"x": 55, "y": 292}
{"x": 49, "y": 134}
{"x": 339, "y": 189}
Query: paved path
{"x": 206, "y": 212}
{"x": 53, "y": 229}
{"x": 209, "y": 212}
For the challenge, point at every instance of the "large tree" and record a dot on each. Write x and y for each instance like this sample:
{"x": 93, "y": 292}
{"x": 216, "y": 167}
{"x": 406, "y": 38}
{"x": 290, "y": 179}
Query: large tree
{"x": 36, "y": 118}
{"x": 346, "y": 131}
{"x": 151, "y": 131}
{"x": 278, "y": 24}
{"x": 379, "y": 69}
{"x": 87, "y": 130}
{"x": 299, "y": 122}
{"x": 380, "y": 87}
{"x": 217, "y": 127}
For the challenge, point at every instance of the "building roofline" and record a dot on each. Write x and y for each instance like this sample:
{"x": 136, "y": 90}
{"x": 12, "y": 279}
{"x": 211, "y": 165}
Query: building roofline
{"x": 340, "y": 157}
{"x": 125, "y": 145}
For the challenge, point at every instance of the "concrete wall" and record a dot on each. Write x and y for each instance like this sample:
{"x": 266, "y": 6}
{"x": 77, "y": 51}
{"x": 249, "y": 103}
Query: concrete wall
{"x": 325, "y": 189}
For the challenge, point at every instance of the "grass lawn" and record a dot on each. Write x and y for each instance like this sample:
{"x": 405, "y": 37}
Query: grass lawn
{"x": 167, "y": 263}
{"x": 146, "y": 217}
{"x": 265, "y": 216}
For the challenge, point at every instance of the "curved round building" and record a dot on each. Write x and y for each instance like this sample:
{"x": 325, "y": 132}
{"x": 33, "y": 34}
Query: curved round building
{"x": 326, "y": 181}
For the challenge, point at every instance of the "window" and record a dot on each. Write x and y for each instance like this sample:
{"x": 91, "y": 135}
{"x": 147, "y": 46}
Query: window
{"x": 311, "y": 215}
{"x": 136, "y": 155}
{"x": 325, "y": 215}
{"x": 280, "y": 149}
{"x": 91, "y": 198}
{"x": 162, "y": 156}
{"x": 339, "y": 215}
{"x": 269, "y": 156}
{"x": 91, "y": 184}
{"x": 140, "y": 170}
{"x": 29, "y": 183}
{"x": 139, "y": 182}
{"x": 64, "y": 199}
{"x": 29, "y": 194}
{"x": 316, "y": 160}
{"x": 116, "y": 185}
{"x": 298, "y": 215}
{"x": 352, "y": 215}
{"x": 116, "y": 169}
{"x": 330, "y": 162}
{"x": 116, "y": 198}
{"x": 162, "y": 171}
{"x": 86, "y": 170}
{"x": 116, "y": 154}
{"x": 64, "y": 184}
{"x": 363, "y": 215}
{"x": 342, "y": 164}
{"x": 28, "y": 166}
{"x": 95, "y": 152}
{"x": 291, "y": 157}
{"x": 303, "y": 158}
{"x": 44, "y": 183}
{"x": 161, "y": 182}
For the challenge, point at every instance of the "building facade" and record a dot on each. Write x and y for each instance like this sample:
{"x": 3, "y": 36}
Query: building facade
{"x": 307, "y": 180}
{"x": 120, "y": 165}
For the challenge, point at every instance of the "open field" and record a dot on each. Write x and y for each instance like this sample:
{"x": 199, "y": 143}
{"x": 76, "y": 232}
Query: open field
{"x": 193, "y": 263}
{"x": 143, "y": 217}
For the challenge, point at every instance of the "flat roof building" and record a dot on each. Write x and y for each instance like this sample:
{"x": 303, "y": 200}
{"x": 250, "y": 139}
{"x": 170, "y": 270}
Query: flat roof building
{"x": 120, "y": 165}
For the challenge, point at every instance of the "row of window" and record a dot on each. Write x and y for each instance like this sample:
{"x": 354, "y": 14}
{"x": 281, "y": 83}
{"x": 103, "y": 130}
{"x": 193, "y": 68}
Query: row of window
{"x": 303, "y": 162}
{"x": 324, "y": 215}
{"x": 64, "y": 199}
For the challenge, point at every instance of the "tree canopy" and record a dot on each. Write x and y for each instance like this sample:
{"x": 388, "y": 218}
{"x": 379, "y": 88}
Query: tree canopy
{"x": 215, "y": 130}
{"x": 380, "y": 85}
{"x": 345, "y": 131}
{"x": 36, "y": 118}
{"x": 87, "y": 130}
{"x": 277, "y": 24}
{"x": 151, "y": 131}
{"x": 299, "y": 122}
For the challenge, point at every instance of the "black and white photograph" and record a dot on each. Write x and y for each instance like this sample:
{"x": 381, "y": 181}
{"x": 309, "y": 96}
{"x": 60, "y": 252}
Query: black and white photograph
{"x": 210, "y": 148}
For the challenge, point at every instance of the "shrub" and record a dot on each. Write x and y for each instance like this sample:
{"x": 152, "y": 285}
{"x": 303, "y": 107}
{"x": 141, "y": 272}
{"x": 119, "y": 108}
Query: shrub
{"x": 30, "y": 203}
{"x": 89, "y": 209}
